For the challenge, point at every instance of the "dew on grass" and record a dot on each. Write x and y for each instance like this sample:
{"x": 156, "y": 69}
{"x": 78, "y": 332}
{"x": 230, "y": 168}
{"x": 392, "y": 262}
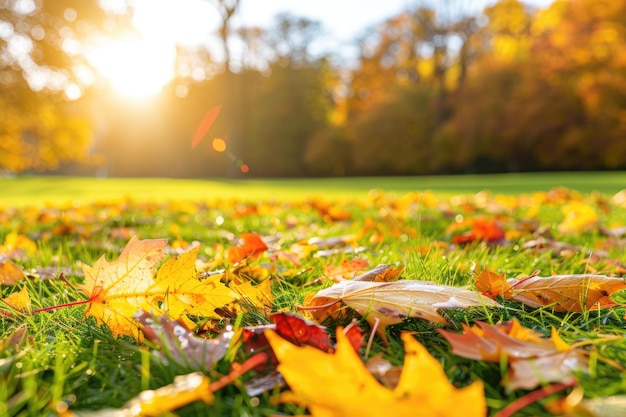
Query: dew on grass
{"x": 19, "y": 365}
{"x": 89, "y": 372}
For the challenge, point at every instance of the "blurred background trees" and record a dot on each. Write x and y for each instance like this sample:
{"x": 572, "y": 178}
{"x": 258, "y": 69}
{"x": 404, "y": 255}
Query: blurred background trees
{"x": 434, "y": 90}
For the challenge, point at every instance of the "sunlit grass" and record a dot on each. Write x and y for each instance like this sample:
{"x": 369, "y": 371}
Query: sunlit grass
{"x": 41, "y": 189}
{"x": 69, "y": 359}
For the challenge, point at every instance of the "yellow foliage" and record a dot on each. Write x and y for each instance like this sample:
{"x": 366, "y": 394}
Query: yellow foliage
{"x": 338, "y": 384}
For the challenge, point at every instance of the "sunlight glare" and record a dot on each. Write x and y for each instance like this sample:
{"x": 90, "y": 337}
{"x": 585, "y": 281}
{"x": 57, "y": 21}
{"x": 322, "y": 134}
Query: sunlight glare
{"x": 135, "y": 68}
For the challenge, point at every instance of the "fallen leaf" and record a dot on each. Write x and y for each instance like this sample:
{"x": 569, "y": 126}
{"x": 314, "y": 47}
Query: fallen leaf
{"x": 493, "y": 284}
{"x": 19, "y": 300}
{"x": 391, "y": 302}
{"x": 252, "y": 246}
{"x": 17, "y": 245}
{"x": 484, "y": 229}
{"x": 175, "y": 341}
{"x": 338, "y": 384}
{"x": 118, "y": 289}
{"x": 578, "y": 217}
{"x": 152, "y": 403}
{"x": 578, "y": 292}
{"x": 386, "y": 373}
{"x": 179, "y": 292}
{"x": 10, "y": 274}
{"x": 253, "y": 297}
{"x": 14, "y": 339}
{"x": 300, "y": 331}
{"x": 532, "y": 358}
{"x": 346, "y": 270}
{"x": 382, "y": 273}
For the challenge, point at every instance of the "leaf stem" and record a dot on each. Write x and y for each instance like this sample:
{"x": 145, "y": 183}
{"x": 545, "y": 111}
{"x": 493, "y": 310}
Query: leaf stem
{"x": 73, "y": 303}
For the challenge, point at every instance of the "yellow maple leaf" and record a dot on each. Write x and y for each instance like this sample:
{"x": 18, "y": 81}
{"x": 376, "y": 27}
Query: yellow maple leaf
{"x": 180, "y": 292}
{"x": 253, "y": 297}
{"x": 118, "y": 289}
{"x": 19, "y": 300}
{"x": 334, "y": 385}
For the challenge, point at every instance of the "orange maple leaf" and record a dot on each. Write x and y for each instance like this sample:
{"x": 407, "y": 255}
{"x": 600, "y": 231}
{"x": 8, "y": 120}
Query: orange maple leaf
{"x": 338, "y": 384}
{"x": 493, "y": 284}
{"x": 252, "y": 247}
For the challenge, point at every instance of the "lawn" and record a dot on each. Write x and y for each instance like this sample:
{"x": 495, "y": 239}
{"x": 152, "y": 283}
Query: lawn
{"x": 35, "y": 189}
{"x": 536, "y": 265}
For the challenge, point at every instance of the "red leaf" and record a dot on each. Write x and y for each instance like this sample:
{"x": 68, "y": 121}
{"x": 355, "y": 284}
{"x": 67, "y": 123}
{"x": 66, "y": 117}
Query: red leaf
{"x": 300, "y": 332}
{"x": 205, "y": 125}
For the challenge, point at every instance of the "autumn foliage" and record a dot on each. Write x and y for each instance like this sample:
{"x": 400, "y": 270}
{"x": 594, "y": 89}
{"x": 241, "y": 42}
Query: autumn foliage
{"x": 330, "y": 315}
{"x": 434, "y": 90}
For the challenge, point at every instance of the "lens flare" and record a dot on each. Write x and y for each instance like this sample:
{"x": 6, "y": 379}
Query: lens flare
{"x": 219, "y": 145}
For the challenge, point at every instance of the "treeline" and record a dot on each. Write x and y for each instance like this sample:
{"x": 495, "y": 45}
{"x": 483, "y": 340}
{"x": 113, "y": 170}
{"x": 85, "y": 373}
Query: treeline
{"x": 510, "y": 89}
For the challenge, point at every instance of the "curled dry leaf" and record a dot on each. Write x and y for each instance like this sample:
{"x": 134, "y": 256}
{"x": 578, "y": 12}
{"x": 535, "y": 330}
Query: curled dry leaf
{"x": 174, "y": 340}
{"x": 392, "y": 302}
{"x": 338, "y": 384}
{"x": 577, "y": 293}
{"x": 532, "y": 358}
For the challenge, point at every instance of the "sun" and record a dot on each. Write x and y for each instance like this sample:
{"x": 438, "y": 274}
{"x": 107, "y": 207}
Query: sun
{"x": 139, "y": 67}
{"x": 135, "y": 68}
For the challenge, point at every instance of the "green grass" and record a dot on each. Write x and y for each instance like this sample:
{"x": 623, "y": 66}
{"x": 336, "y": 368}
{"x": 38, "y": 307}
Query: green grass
{"x": 67, "y": 359}
{"x": 42, "y": 189}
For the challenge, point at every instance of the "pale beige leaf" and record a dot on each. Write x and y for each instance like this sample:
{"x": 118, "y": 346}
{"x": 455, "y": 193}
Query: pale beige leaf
{"x": 391, "y": 302}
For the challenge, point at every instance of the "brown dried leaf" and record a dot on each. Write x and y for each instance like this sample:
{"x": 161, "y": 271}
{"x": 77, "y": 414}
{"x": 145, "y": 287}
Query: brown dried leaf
{"x": 578, "y": 292}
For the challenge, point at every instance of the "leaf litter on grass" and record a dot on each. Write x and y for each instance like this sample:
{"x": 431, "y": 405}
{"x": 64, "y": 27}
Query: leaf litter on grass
{"x": 251, "y": 264}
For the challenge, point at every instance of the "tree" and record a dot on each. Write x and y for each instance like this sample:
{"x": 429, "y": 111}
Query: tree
{"x": 41, "y": 67}
{"x": 226, "y": 9}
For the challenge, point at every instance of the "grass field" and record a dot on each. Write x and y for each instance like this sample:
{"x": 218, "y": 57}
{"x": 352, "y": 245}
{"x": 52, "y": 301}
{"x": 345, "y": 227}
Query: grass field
{"x": 37, "y": 190}
{"x": 70, "y": 290}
